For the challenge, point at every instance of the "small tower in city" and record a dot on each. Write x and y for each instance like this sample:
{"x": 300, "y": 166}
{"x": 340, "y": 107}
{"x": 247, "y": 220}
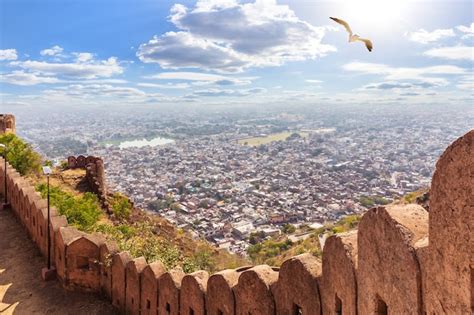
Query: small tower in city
{"x": 7, "y": 124}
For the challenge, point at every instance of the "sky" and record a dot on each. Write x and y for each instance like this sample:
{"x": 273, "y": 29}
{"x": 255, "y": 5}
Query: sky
{"x": 101, "y": 53}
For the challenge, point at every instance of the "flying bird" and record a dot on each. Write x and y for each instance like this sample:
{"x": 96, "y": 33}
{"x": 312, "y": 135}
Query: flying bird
{"x": 353, "y": 37}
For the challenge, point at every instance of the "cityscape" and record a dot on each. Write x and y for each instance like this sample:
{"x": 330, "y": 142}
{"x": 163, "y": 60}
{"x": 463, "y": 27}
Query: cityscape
{"x": 224, "y": 175}
{"x": 227, "y": 157}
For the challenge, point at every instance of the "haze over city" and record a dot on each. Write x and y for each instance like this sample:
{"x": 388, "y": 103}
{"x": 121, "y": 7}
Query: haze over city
{"x": 240, "y": 116}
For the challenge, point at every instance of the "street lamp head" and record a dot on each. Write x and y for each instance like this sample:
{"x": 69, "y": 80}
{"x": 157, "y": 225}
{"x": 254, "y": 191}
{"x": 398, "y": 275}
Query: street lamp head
{"x": 47, "y": 170}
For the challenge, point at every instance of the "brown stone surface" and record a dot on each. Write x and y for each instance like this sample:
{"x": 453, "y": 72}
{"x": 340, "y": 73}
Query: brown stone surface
{"x": 30, "y": 197}
{"x": 297, "y": 286}
{"x": 220, "y": 295}
{"x": 119, "y": 263}
{"x": 388, "y": 268}
{"x": 169, "y": 285}
{"x": 193, "y": 293}
{"x": 149, "y": 287}
{"x": 339, "y": 274}
{"x": 106, "y": 252}
{"x": 42, "y": 226}
{"x": 7, "y": 124}
{"x": 450, "y": 267}
{"x": 253, "y": 291}
{"x": 82, "y": 263}
{"x": 56, "y": 223}
{"x": 64, "y": 236}
{"x": 132, "y": 289}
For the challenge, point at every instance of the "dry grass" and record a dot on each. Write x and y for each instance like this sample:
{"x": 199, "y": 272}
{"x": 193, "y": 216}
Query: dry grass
{"x": 281, "y": 136}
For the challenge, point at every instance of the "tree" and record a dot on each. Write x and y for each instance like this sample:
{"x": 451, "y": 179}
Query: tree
{"x": 288, "y": 228}
{"x": 121, "y": 206}
{"x": 20, "y": 154}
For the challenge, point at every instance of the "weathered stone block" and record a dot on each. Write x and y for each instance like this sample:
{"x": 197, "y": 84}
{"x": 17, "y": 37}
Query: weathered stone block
{"x": 82, "y": 262}
{"x": 64, "y": 236}
{"x": 132, "y": 290}
{"x": 297, "y": 290}
{"x": 220, "y": 295}
{"x": 169, "y": 285}
{"x": 389, "y": 275}
{"x": 450, "y": 276}
{"x": 119, "y": 263}
{"x": 253, "y": 291}
{"x": 106, "y": 251}
{"x": 339, "y": 282}
{"x": 193, "y": 293}
{"x": 149, "y": 287}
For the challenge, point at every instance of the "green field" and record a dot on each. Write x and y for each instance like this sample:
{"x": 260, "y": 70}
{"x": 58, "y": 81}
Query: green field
{"x": 281, "y": 136}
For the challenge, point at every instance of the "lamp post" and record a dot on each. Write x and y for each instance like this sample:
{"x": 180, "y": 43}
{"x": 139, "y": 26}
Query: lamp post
{"x": 47, "y": 171}
{"x": 5, "y": 174}
{"x": 48, "y": 273}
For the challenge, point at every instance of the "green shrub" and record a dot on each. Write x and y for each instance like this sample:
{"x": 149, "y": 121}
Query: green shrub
{"x": 288, "y": 228}
{"x": 80, "y": 211}
{"x": 20, "y": 154}
{"x": 121, "y": 206}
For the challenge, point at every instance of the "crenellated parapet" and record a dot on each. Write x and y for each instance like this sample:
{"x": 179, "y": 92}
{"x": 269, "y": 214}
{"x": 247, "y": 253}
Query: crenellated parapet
{"x": 95, "y": 174}
{"x": 401, "y": 260}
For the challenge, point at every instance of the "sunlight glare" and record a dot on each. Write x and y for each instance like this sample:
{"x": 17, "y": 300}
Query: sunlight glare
{"x": 376, "y": 15}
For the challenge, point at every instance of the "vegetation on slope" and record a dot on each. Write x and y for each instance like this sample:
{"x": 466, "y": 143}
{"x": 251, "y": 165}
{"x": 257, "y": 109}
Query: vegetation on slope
{"x": 132, "y": 229}
{"x": 275, "y": 251}
{"x": 82, "y": 211}
{"x": 20, "y": 154}
{"x": 121, "y": 206}
{"x": 140, "y": 234}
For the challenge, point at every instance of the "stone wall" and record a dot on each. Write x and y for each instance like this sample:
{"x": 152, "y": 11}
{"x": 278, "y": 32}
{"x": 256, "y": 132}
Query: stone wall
{"x": 95, "y": 174}
{"x": 401, "y": 260}
{"x": 7, "y": 124}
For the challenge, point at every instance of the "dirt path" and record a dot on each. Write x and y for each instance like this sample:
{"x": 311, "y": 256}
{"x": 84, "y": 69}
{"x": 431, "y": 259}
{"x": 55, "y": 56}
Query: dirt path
{"x": 22, "y": 291}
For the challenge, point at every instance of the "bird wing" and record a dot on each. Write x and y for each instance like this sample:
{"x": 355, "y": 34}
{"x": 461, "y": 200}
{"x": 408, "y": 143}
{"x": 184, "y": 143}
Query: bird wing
{"x": 367, "y": 43}
{"x": 343, "y": 23}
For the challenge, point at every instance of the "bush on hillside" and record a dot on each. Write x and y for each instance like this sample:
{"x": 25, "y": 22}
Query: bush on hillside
{"x": 140, "y": 240}
{"x": 20, "y": 154}
{"x": 80, "y": 211}
{"x": 121, "y": 206}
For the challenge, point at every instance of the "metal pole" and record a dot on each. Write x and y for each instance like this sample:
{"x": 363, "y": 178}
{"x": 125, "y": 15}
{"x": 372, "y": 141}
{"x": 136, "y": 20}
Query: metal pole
{"x": 49, "y": 234}
{"x": 5, "y": 186}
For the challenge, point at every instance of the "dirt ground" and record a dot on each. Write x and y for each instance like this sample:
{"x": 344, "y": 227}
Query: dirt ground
{"x": 22, "y": 291}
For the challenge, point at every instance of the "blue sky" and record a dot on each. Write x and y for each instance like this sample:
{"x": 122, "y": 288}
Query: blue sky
{"x": 97, "y": 53}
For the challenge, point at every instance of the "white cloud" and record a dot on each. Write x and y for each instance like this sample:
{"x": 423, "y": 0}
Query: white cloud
{"x": 466, "y": 83}
{"x": 200, "y": 78}
{"x": 314, "y": 81}
{"x": 95, "y": 91}
{"x": 229, "y": 36}
{"x": 26, "y": 79}
{"x": 83, "y": 57}
{"x": 90, "y": 70}
{"x": 164, "y": 86}
{"x": 53, "y": 51}
{"x": 394, "y": 85}
{"x": 227, "y": 92}
{"x": 8, "y": 54}
{"x": 468, "y": 30}
{"x": 424, "y": 74}
{"x": 424, "y": 37}
{"x": 452, "y": 53}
